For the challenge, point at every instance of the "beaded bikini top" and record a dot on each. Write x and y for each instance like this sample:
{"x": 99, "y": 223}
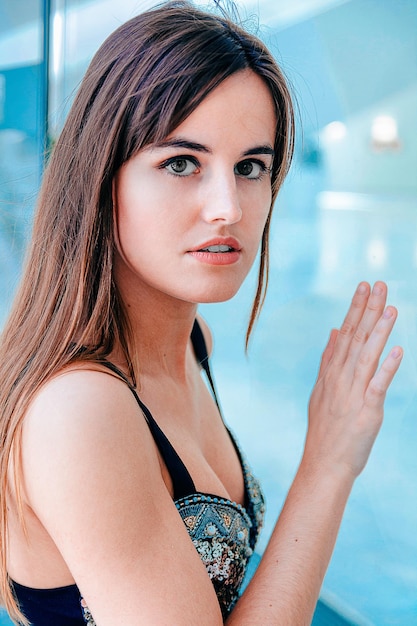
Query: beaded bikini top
{"x": 223, "y": 532}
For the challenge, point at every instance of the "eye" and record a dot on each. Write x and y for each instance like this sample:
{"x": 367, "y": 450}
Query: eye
{"x": 180, "y": 166}
{"x": 251, "y": 169}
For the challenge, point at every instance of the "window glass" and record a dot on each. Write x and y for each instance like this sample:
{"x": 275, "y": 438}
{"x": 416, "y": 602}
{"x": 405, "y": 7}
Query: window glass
{"x": 22, "y": 131}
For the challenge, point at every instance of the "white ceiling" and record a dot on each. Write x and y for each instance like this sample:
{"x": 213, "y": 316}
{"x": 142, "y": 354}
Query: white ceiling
{"x": 283, "y": 13}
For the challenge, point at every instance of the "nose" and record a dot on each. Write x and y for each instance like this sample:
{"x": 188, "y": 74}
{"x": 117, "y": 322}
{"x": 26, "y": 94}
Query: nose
{"x": 220, "y": 199}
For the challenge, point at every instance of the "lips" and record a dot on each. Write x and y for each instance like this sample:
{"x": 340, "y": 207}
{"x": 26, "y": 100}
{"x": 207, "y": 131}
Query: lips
{"x": 219, "y": 245}
{"x": 218, "y": 248}
{"x": 220, "y": 251}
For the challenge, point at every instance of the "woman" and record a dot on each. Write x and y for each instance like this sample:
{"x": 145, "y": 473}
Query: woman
{"x": 125, "y": 500}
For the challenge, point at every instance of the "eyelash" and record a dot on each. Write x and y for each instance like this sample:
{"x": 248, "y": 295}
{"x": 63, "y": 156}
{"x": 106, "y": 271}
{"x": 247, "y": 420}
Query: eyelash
{"x": 175, "y": 159}
{"x": 264, "y": 169}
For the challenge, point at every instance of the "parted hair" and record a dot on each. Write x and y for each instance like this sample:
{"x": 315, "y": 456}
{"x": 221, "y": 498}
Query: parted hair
{"x": 146, "y": 78}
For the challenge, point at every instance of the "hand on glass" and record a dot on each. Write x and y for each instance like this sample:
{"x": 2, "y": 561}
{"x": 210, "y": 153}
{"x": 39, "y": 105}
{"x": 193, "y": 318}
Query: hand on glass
{"x": 347, "y": 403}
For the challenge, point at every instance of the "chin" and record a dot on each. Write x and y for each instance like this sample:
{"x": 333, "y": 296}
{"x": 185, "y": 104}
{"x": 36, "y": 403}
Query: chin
{"x": 218, "y": 295}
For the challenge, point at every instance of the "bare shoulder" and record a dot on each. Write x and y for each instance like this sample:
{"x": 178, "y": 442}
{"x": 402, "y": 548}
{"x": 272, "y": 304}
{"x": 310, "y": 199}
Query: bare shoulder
{"x": 76, "y": 422}
{"x": 208, "y": 337}
{"x": 80, "y": 398}
{"x": 80, "y": 383}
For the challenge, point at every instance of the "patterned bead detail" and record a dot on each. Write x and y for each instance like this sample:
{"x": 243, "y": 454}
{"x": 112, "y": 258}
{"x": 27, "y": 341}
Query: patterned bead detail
{"x": 211, "y": 530}
{"x": 256, "y": 501}
{"x": 220, "y": 535}
{"x": 88, "y": 618}
{"x": 224, "y": 534}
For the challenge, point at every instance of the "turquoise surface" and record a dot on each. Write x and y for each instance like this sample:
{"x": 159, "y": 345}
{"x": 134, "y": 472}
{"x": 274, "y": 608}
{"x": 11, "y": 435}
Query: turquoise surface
{"x": 4, "y": 619}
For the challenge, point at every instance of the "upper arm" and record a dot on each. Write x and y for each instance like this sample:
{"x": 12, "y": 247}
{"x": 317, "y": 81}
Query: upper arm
{"x": 92, "y": 476}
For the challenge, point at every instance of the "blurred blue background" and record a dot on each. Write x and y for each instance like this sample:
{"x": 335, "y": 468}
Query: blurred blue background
{"x": 347, "y": 212}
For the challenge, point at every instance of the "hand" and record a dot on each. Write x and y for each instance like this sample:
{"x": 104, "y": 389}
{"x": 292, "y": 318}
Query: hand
{"x": 347, "y": 403}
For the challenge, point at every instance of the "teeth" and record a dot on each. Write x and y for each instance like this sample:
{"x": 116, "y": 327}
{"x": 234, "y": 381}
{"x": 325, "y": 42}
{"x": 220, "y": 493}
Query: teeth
{"x": 218, "y": 248}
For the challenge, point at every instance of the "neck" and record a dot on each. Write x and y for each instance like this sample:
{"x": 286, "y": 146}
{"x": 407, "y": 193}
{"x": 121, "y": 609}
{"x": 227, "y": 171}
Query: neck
{"x": 161, "y": 328}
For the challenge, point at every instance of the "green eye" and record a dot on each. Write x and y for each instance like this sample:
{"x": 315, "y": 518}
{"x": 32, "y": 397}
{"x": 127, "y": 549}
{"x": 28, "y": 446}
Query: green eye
{"x": 180, "y": 166}
{"x": 250, "y": 169}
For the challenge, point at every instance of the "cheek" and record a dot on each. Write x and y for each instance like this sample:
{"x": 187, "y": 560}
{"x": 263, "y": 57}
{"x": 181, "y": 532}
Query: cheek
{"x": 258, "y": 209}
{"x": 129, "y": 221}
{"x": 147, "y": 224}
{"x": 135, "y": 207}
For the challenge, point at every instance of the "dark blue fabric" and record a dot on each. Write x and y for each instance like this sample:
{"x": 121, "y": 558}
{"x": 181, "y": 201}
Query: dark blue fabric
{"x": 50, "y": 607}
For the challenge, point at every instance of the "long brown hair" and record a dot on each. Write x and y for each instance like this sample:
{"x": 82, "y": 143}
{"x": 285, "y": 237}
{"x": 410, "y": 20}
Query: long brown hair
{"x": 146, "y": 78}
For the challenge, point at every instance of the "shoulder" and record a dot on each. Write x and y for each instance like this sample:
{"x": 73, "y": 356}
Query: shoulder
{"x": 81, "y": 398}
{"x": 80, "y": 392}
{"x": 77, "y": 422}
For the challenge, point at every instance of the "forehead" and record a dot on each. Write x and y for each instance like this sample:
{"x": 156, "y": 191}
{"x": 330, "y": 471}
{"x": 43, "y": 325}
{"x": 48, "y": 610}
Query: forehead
{"x": 242, "y": 105}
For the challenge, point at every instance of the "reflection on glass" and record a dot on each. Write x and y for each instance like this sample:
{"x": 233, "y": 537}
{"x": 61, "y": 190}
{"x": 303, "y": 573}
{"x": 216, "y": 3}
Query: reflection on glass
{"x": 384, "y": 132}
{"x": 334, "y": 131}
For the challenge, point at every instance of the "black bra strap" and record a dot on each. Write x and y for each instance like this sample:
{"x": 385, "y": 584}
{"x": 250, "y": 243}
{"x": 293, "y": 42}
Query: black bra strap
{"x": 200, "y": 350}
{"x": 183, "y": 484}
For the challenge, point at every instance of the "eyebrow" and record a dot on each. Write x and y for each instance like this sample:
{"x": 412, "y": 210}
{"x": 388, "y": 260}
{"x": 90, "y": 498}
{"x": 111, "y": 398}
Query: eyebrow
{"x": 260, "y": 150}
{"x": 177, "y": 142}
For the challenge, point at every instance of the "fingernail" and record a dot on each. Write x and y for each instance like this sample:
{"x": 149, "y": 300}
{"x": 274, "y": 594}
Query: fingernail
{"x": 362, "y": 288}
{"x": 377, "y": 290}
{"x": 396, "y": 352}
{"x": 388, "y": 313}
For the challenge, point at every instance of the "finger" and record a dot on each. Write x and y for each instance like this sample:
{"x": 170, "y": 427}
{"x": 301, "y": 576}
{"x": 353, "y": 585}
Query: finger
{"x": 367, "y": 362}
{"x": 351, "y": 321}
{"x": 328, "y": 352}
{"x": 378, "y": 386}
{"x": 373, "y": 311}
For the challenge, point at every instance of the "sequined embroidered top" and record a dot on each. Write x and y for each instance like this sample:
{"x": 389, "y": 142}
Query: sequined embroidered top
{"x": 224, "y": 533}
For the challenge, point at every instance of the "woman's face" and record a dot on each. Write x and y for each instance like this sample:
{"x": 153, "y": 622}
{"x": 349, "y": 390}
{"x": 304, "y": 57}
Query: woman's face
{"x": 190, "y": 211}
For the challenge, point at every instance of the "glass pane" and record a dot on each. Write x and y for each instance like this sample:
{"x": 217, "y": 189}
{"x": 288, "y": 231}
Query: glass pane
{"x": 21, "y": 132}
{"x": 78, "y": 29}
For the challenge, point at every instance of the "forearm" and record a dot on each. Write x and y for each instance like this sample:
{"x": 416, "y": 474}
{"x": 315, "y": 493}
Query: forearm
{"x": 286, "y": 585}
